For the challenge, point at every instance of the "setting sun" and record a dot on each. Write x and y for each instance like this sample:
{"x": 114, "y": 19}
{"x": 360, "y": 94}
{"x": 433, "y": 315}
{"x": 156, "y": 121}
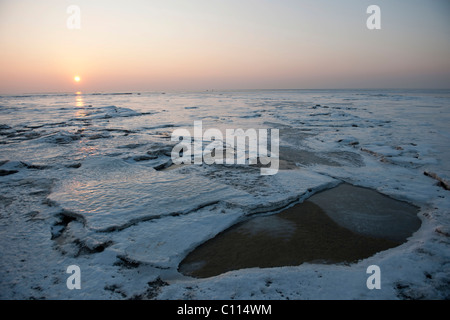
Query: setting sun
{"x": 77, "y": 79}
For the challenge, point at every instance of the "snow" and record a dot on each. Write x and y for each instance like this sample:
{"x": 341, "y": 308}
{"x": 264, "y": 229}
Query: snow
{"x": 87, "y": 186}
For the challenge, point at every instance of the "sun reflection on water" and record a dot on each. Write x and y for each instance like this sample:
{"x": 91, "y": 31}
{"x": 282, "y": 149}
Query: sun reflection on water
{"x": 79, "y": 103}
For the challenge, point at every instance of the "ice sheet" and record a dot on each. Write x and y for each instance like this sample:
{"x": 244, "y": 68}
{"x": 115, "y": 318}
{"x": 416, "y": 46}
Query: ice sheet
{"x": 82, "y": 183}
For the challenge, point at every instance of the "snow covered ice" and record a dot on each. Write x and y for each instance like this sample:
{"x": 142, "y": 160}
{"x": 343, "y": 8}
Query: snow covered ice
{"x": 87, "y": 180}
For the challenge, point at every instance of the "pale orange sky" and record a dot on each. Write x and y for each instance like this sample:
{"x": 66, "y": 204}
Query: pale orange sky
{"x": 150, "y": 45}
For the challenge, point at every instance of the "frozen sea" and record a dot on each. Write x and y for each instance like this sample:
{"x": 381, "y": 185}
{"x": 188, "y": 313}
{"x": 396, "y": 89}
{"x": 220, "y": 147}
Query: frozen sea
{"x": 86, "y": 179}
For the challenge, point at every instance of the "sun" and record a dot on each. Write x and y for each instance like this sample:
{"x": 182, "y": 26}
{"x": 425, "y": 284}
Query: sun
{"x": 77, "y": 79}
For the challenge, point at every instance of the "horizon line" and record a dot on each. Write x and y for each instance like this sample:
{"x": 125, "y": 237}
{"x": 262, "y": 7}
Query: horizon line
{"x": 124, "y": 92}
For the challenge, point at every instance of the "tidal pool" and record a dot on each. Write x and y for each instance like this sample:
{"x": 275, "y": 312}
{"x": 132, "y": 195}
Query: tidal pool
{"x": 341, "y": 225}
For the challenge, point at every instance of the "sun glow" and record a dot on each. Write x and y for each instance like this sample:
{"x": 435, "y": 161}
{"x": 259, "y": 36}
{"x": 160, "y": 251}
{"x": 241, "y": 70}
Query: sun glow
{"x": 77, "y": 79}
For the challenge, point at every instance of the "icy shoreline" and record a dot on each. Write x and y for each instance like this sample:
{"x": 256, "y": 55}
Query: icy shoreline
{"x": 88, "y": 191}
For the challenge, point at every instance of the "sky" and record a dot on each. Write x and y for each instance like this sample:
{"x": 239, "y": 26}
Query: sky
{"x": 151, "y": 45}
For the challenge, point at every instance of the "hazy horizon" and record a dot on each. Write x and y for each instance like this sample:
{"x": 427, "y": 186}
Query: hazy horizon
{"x": 222, "y": 45}
{"x": 177, "y": 91}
